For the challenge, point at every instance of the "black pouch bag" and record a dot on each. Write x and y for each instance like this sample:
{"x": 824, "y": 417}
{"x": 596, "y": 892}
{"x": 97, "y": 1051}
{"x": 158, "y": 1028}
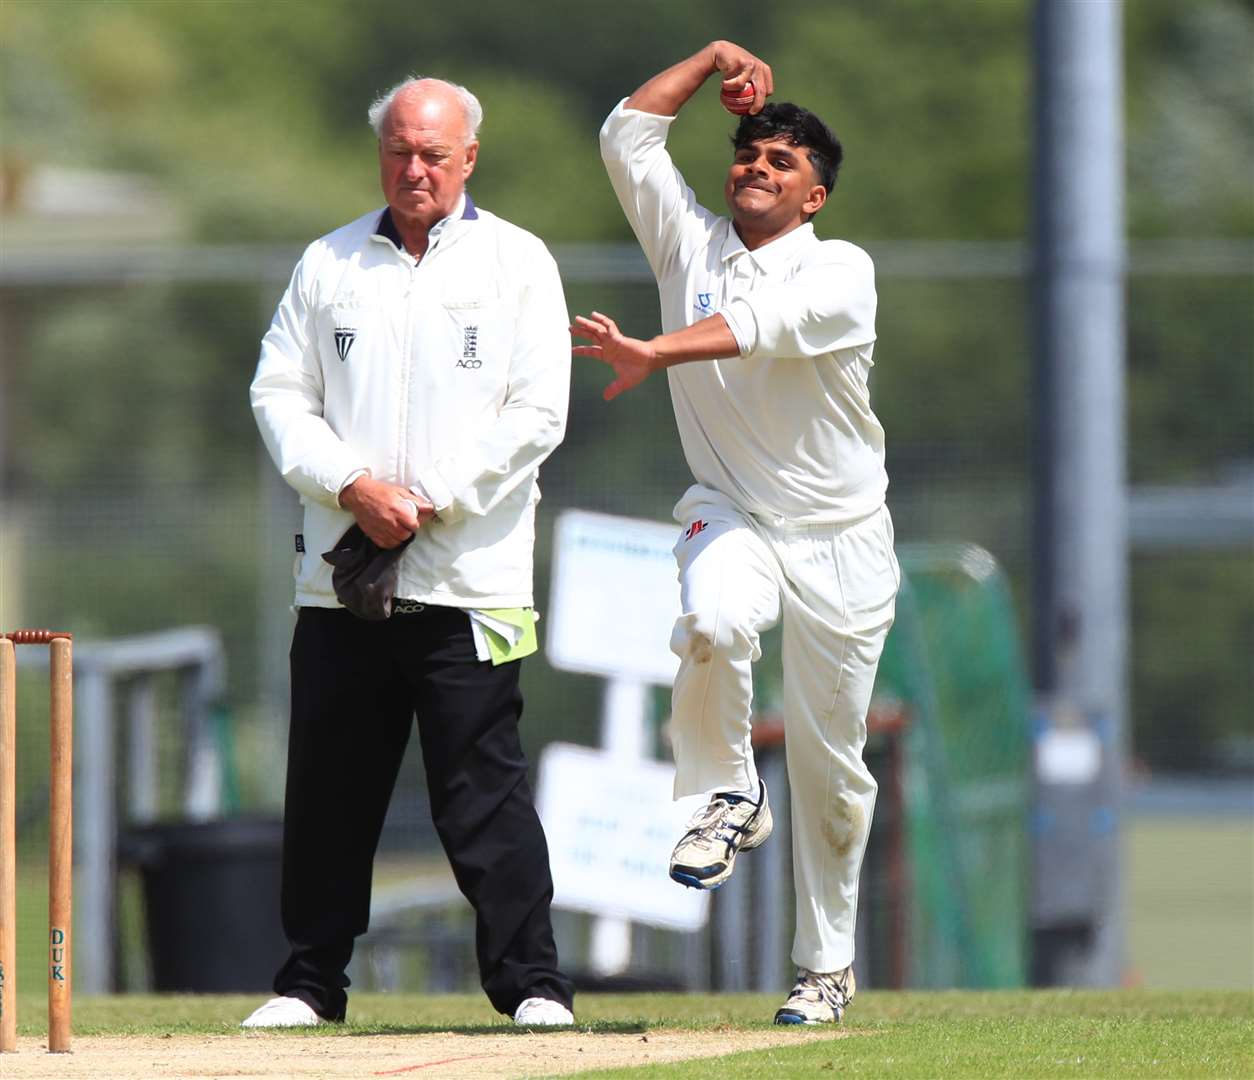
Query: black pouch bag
{"x": 365, "y": 574}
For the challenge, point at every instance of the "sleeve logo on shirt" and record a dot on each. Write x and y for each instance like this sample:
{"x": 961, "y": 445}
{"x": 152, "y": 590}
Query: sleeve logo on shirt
{"x": 696, "y": 527}
{"x": 704, "y": 302}
{"x": 344, "y": 338}
{"x": 470, "y": 349}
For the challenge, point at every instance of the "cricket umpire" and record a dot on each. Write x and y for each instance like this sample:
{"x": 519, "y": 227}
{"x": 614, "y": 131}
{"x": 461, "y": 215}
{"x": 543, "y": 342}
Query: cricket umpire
{"x": 414, "y": 377}
{"x": 767, "y": 342}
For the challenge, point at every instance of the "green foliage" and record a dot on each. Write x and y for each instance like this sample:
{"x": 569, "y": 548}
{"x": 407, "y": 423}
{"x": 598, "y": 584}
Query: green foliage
{"x": 1191, "y": 709}
{"x": 533, "y": 142}
{"x": 931, "y": 105}
{"x": 255, "y": 117}
{"x": 1190, "y": 376}
{"x": 935, "y": 404}
{"x": 144, "y": 384}
{"x": 1190, "y": 117}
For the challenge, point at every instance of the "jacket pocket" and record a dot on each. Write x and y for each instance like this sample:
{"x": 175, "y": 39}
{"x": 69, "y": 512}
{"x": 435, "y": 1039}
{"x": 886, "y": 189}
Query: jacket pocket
{"x": 324, "y": 525}
{"x": 457, "y": 303}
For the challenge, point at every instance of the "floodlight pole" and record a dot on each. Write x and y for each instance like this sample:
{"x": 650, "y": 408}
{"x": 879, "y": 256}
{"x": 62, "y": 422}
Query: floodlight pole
{"x": 1080, "y": 559}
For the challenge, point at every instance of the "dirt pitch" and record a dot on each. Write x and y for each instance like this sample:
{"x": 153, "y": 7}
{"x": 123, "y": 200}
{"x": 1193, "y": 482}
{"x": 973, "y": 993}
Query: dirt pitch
{"x": 266, "y": 1057}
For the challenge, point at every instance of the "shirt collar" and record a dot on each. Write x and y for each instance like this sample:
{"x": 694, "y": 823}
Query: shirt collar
{"x": 772, "y": 256}
{"x": 464, "y": 211}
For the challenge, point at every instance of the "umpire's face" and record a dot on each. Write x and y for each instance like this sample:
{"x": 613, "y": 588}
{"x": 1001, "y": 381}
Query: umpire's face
{"x": 424, "y": 156}
{"x": 772, "y": 187}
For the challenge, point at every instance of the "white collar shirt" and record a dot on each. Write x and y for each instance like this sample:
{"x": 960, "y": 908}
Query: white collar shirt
{"x": 785, "y": 429}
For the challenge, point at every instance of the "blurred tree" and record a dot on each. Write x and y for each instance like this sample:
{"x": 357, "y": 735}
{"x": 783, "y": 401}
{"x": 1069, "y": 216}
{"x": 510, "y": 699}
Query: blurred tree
{"x": 1190, "y": 377}
{"x": 1190, "y": 117}
{"x": 1191, "y": 705}
{"x": 931, "y": 104}
{"x": 258, "y": 122}
{"x": 141, "y": 384}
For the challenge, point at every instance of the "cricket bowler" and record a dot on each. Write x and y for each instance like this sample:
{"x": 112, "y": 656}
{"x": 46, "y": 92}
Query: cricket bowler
{"x": 768, "y": 335}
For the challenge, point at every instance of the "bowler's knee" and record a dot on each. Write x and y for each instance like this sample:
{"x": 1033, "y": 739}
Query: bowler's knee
{"x": 699, "y": 639}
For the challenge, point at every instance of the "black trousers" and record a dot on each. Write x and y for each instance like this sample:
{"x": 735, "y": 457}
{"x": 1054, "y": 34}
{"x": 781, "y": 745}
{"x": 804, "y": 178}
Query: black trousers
{"x": 356, "y": 688}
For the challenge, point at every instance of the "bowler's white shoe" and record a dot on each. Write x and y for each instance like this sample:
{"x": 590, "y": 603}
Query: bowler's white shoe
{"x": 818, "y": 997}
{"x": 727, "y": 824}
{"x": 283, "y": 1012}
{"x": 543, "y": 1012}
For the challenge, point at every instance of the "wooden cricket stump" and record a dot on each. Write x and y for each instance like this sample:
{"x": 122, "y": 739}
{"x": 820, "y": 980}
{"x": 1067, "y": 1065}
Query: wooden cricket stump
{"x": 60, "y": 833}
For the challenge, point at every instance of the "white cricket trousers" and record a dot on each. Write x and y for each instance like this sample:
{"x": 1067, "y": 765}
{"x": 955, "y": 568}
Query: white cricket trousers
{"x": 835, "y": 586}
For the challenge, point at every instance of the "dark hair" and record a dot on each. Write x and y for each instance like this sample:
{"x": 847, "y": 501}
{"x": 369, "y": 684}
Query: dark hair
{"x": 789, "y": 122}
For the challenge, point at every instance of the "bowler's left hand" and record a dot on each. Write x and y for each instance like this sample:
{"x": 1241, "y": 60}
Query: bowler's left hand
{"x": 633, "y": 360}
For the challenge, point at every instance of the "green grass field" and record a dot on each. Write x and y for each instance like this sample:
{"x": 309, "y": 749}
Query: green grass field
{"x": 1190, "y": 902}
{"x": 1190, "y": 894}
{"x": 1127, "y": 1033}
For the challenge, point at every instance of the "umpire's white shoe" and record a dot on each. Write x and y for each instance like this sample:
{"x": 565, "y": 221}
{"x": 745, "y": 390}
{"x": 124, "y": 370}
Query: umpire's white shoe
{"x": 706, "y": 853}
{"x": 818, "y": 997}
{"x": 543, "y": 1012}
{"x": 283, "y": 1012}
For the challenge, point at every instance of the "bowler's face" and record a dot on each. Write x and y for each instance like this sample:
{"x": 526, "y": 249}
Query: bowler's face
{"x": 424, "y": 159}
{"x": 771, "y": 182}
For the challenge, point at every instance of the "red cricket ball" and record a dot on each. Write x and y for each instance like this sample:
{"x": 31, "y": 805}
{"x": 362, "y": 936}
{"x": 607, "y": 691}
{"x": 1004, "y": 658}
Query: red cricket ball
{"x": 738, "y": 102}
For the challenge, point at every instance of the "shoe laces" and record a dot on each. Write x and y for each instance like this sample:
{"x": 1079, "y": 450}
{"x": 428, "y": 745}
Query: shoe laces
{"x": 816, "y": 986}
{"x": 712, "y": 823}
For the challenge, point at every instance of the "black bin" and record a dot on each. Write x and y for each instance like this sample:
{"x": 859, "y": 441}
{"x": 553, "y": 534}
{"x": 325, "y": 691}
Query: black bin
{"x": 211, "y": 899}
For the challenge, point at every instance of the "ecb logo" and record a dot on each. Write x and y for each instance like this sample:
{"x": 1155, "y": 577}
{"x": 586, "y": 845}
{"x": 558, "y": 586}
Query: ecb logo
{"x": 470, "y": 349}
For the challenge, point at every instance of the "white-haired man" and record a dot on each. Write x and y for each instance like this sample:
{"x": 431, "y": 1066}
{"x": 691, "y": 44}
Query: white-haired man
{"x": 414, "y": 377}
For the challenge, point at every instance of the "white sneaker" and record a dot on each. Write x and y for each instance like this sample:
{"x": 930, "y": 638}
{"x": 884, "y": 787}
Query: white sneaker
{"x": 543, "y": 1012}
{"x": 818, "y": 997}
{"x": 283, "y": 1012}
{"x": 727, "y": 824}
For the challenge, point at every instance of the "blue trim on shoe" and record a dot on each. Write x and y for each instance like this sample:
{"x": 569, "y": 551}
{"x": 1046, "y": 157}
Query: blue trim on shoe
{"x": 692, "y": 881}
{"x": 783, "y": 1017}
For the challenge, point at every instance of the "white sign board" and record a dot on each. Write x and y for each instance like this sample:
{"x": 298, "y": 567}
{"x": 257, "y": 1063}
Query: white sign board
{"x": 611, "y": 824}
{"x": 614, "y": 597}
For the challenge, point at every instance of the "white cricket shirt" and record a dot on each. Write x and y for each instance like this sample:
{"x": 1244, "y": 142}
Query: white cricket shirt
{"x": 785, "y": 429}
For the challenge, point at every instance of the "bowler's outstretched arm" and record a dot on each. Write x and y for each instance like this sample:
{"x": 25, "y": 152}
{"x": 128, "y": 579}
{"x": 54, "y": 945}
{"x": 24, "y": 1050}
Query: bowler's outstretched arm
{"x": 634, "y": 360}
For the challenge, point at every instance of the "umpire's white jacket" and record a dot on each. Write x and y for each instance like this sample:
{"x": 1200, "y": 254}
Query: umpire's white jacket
{"x": 451, "y": 373}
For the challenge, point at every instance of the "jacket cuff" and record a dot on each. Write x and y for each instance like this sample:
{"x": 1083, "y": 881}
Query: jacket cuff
{"x": 431, "y": 482}
{"x": 356, "y": 474}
